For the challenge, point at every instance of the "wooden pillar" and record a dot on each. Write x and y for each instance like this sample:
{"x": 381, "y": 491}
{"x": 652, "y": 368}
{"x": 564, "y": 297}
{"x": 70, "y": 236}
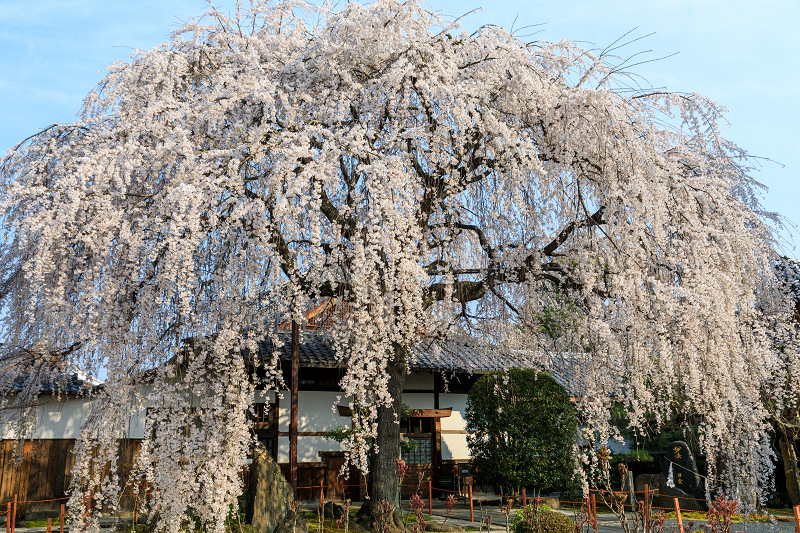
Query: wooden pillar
{"x": 293, "y": 408}
{"x": 437, "y": 449}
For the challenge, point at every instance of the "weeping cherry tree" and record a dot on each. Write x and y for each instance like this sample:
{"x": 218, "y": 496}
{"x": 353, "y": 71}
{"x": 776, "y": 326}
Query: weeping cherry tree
{"x": 528, "y": 198}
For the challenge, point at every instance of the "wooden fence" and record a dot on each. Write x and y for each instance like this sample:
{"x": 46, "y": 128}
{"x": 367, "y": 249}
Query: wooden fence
{"x": 41, "y": 480}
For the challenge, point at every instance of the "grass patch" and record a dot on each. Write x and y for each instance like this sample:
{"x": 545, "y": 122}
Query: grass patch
{"x": 40, "y": 522}
{"x": 329, "y": 525}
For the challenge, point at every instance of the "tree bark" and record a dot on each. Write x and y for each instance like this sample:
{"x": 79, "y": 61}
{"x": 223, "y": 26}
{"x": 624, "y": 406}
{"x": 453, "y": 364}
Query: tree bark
{"x": 790, "y": 469}
{"x": 382, "y": 482}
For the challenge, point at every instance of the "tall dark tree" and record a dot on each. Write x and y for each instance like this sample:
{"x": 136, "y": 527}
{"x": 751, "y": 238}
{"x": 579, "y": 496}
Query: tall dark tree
{"x": 525, "y": 431}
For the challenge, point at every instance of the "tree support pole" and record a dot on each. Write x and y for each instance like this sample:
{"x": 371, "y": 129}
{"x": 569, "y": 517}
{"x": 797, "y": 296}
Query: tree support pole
{"x": 430, "y": 497}
{"x": 471, "y": 512}
{"x": 293, "y": 414}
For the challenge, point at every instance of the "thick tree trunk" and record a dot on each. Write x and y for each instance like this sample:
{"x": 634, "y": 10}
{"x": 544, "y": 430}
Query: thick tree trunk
{"x": 790, "y": 469}
{"x": 382, "y": 484}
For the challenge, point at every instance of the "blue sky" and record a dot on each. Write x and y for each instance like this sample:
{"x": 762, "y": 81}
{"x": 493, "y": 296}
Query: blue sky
{"x": 744, "y": 55}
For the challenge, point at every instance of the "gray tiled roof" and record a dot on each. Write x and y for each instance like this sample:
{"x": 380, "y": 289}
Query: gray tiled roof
{"x": 72, "y": 383}
{"x": 316, "y": 351}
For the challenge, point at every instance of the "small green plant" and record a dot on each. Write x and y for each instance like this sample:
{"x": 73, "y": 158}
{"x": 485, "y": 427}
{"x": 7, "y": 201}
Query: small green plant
{"x": 539, "y": 518}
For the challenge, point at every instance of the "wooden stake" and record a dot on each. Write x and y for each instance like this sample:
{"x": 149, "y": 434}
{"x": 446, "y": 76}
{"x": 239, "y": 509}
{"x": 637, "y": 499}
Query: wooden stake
{"x": 471, "y": 512}
{"x": 588, "y": 504}
{"x": 49, "y": 525}
{"x": 524, "y": 498}
{"x": 8, "y": 518}
{"x": 646, "y": 505}
{"x": 678, "y": 514}
{"x": 797, "y": 518}
{"x": 593, "y": 501}
{"x": 14, "y": 515}
{"x": 321, "y": 495}
{"x": 430, "y": 497}
{"x": 61, "y": 520}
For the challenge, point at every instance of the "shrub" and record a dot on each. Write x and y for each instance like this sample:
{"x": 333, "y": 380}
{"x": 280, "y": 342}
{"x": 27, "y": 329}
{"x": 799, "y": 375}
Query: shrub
{"x": 524, "y": 428}
{"x": 543, "y": 520}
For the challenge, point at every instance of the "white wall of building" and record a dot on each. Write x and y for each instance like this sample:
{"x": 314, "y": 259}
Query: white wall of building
{"x": 308, "y": 448}
{"x": 62, "y": 419}
{"x": 418, "y": 400}
{"x": 317, "y": 411}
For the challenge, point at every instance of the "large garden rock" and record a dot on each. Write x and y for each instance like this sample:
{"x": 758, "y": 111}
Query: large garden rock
{"x": 333, "y": 510}
{"x": 684, "y": 469}
{"x": 269, "y": 496}
{"x": 687, "y": 502}
{"x": 289, "y": 525}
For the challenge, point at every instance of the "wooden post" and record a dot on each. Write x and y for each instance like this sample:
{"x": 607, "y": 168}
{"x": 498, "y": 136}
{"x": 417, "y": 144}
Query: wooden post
{"x": 294, "y": 408}
{"x": 593, "y": 501}
{"x": 135, "y": 511}
{"x": 8, "y": 518}
{"x": 797, "y": 518}
{"x": 14, "y": 515}
{"x": 49, "y": 525}
{"x": 61, "y": 520}
{"x": 646, "y": 506}
{"x": 631, "y": 492}
{"x": 321, "y": 494}
{"x": 678, "y": 515}
{"x": 471, "y": 513}
{"x": 524, "y": 498}
{"x": 430, "y": 497}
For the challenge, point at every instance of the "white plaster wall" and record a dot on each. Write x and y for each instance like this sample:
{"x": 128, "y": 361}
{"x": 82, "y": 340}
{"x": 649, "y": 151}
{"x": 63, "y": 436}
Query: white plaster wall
{"x": 62, "y": 420}
{"x": 283, "y": 449}
{"x": 308, "y": 448}
{"x": 459, "y": 404}
{"x": 418, "y": 400}
{"x": 56, "y": 419}
{"x": 315, "y": 413}
{"x": 454, "y": 446}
